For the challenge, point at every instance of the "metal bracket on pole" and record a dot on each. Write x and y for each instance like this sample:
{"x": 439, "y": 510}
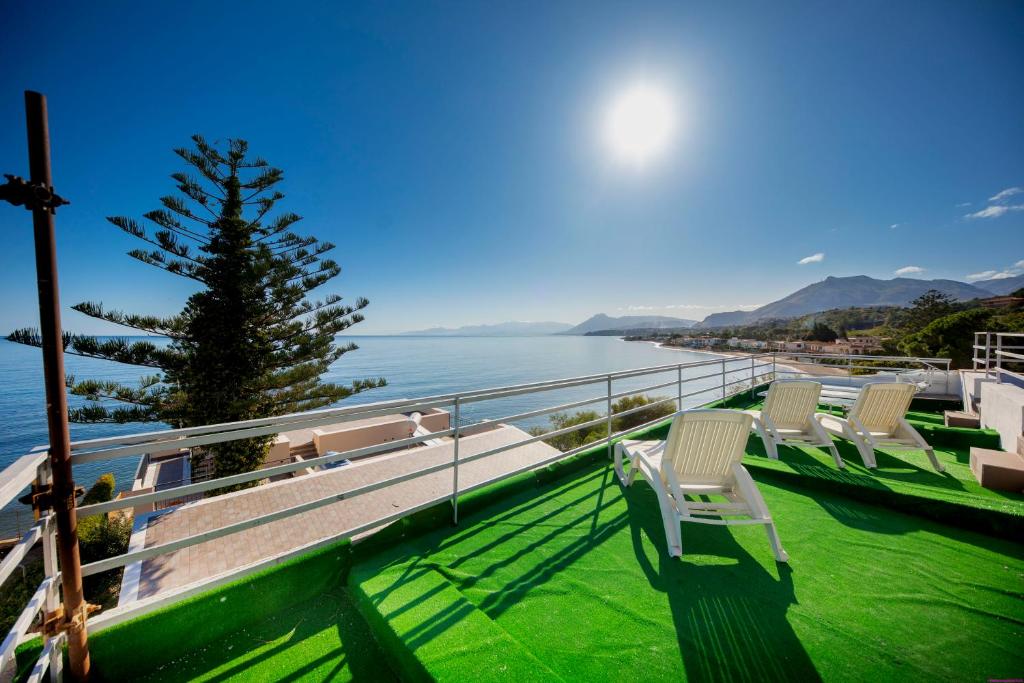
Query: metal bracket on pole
{"x": 32, "y": 196}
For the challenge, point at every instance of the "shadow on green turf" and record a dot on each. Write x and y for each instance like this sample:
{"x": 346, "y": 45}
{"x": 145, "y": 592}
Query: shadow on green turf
{"x": 730, "y": 620}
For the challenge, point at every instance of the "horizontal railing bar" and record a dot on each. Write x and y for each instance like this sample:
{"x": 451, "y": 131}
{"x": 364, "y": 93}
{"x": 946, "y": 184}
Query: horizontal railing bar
{"x": 22, "y": 548}
{"x": 534, "y": 413}
{"x": 168, "y": 439}
{"x": 391, "y": 405}
{"x": 701, "y": 391}
{"x": 22, "y": 623}
{"x": 245, "y": 477}
{"x": 19, "y": 474}
{"x": 643, "y": 407}
{"x": 216, "y": 437}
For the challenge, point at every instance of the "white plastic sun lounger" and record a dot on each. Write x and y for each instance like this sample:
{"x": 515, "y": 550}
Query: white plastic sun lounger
{"x": 877, "y": 420}
{"x": 787, "y": 418}
{"x": 701, "y": 457}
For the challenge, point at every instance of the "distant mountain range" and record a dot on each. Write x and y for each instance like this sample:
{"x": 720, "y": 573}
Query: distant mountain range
{"x": 509, "y": 329}
{"x": 858, "y": 290}
{"x": 830, "y": 293}
{"x": 602, "y": 323}
{"x": 1002, "y": 286}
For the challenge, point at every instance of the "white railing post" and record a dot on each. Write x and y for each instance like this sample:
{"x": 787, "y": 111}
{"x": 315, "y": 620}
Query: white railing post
{"x": 751, "y": 376}
{"x": 679, "y": 384}
{"x": 723, "y": 379}
{"x": 455, "y": 469}
{"x": 609, "y": 437}
{"x": 775, "y": 360}
{"x": 50, "y": 571}
{"x": 999, "y": 357}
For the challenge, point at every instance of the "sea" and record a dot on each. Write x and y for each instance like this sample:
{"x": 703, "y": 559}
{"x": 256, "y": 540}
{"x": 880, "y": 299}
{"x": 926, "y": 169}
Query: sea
{"x": 414, "y": 366}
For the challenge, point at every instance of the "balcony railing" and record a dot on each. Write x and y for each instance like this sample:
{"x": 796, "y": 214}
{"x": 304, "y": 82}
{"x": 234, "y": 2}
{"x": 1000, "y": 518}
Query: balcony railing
{"x": 690, "y": 384}
{"x": 1000, "y": 355}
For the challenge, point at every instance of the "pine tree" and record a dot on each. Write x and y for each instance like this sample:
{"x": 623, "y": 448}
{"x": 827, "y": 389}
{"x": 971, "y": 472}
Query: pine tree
{"x": 250, "y": 343}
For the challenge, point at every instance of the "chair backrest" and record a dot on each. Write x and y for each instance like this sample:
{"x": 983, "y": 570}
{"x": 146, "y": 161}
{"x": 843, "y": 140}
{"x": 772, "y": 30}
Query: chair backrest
{"x": 791, "y": 403}
{"x": 703, "y": 445}
{"x": 881, "y": 404}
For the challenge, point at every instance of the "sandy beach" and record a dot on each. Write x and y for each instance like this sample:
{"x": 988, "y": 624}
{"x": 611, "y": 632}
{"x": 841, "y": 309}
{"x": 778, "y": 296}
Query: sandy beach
{"x": 813, "y": 369}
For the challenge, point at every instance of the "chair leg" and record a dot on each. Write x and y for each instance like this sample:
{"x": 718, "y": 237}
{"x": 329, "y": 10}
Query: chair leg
{"x": 835, "y": 456}
{"x": 826, "y": 440}
{"x": 867, "y": 453}
{"x": 935, "y": 461}
{"x": 624, "y": 479}
{"x": 775, "y": 542}
{"x": 670, "y": 519}
{"x": 770, "y": 448}
{"x": 752, "y": 495}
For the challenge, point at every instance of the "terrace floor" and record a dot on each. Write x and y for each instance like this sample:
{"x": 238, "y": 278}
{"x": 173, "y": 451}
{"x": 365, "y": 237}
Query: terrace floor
{"x": 899, "y": 572}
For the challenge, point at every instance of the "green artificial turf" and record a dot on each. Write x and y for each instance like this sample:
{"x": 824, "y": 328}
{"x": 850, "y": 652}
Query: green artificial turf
{"x": 576, "y": 575}
{"x": 557, "y": 573}
{"x": 322, "y": 639}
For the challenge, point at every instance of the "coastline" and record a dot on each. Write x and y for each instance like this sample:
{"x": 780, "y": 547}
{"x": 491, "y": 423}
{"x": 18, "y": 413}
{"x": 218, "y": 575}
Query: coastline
{"x": 812, "y": 369}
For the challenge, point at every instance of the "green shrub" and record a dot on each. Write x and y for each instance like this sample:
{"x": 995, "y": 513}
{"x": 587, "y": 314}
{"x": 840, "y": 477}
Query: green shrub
{"x": 581, "y": 437}
{"x": 101, "y": 491}
{"x": 620, "y": 424}
{"x": 100, "y": 537}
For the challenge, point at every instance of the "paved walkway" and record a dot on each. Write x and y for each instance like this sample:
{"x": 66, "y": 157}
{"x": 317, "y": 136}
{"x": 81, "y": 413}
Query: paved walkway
{"x": 229, "y": 552}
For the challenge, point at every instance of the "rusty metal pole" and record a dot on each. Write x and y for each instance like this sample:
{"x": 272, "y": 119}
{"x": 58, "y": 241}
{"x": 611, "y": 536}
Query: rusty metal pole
{"x": 63, "y": 494}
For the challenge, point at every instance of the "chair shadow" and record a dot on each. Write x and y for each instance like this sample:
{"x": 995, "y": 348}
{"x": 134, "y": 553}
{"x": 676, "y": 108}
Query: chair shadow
{"x": 730, "y": 620}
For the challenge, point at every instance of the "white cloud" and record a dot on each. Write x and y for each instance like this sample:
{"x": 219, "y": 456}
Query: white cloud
{"x": 896, "y": 225}
{"x": 1006, "y": 194}
{"x": 995, "y": 211}
{"x": 962, "y": 205}
{"x": 1019, "y": 264}
{"x": 813, "y": 258}
{"x": 908, "y": 270}
{"x": 991, "y": 275}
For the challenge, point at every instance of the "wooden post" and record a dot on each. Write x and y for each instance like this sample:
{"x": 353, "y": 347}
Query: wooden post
{"x": 63, "y": 491}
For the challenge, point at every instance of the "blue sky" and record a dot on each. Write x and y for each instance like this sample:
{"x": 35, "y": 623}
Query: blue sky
{"x": 454, "y": 152}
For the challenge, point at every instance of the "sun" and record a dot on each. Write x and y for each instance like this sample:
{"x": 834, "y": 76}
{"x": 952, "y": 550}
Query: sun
{"x": 640, "y": 123}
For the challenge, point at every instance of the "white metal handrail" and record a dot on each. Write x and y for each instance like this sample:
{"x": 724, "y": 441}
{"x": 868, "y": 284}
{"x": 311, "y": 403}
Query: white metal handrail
{"x": 735, "y": 373}
{"x": 993, "y": 349}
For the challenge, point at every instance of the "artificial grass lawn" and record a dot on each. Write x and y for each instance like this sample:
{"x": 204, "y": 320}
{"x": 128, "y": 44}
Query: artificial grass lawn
{"x": 294, "y": 621}
{"x": 322, "y": 639}
{"x": 575, "y": 575}
{"x": 906, "y": 478}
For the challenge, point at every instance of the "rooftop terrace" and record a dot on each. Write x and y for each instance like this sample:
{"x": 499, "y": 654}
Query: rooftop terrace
{"x": 559, "y": 573}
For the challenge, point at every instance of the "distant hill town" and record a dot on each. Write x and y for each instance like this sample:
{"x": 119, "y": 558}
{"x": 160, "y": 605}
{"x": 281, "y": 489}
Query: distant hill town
{"x": 858, "y": 291}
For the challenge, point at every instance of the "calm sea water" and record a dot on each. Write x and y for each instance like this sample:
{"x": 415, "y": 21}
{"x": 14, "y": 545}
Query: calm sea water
{"x": 413, "y": 366}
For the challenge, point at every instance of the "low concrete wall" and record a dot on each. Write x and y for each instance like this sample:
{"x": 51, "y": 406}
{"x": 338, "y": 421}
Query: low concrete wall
{"x": 280, "y": 451}
{"x": 1002, "y": 409}
{"x": 435, "y": 420}
{"x": 329, "y": 439}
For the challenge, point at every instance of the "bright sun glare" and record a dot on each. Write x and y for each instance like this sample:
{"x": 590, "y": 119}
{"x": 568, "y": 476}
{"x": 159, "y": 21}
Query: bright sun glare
{"x": 640, "y": 123}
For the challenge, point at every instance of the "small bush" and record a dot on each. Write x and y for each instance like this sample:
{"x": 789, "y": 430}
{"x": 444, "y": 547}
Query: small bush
{"x": 101, "y": 491}
{"x": 100, "y": 537}
{"x": 581, "y": 437}
{"x": 653, "y": 412}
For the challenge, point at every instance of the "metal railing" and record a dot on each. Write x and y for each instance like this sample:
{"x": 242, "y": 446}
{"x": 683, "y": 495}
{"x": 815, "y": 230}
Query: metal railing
{"x": 695, "y": 383}
{"x": 994, "y": 351}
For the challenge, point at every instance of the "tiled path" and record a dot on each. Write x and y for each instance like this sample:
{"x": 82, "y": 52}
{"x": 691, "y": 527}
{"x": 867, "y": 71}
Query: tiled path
{"x": 229, "y": 552}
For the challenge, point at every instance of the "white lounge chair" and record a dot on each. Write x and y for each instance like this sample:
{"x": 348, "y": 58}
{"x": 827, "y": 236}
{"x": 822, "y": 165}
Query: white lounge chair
{"x": 701, "y": 457}
{"x": 878, "y": 420}
{"x": 787, "y": 418}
